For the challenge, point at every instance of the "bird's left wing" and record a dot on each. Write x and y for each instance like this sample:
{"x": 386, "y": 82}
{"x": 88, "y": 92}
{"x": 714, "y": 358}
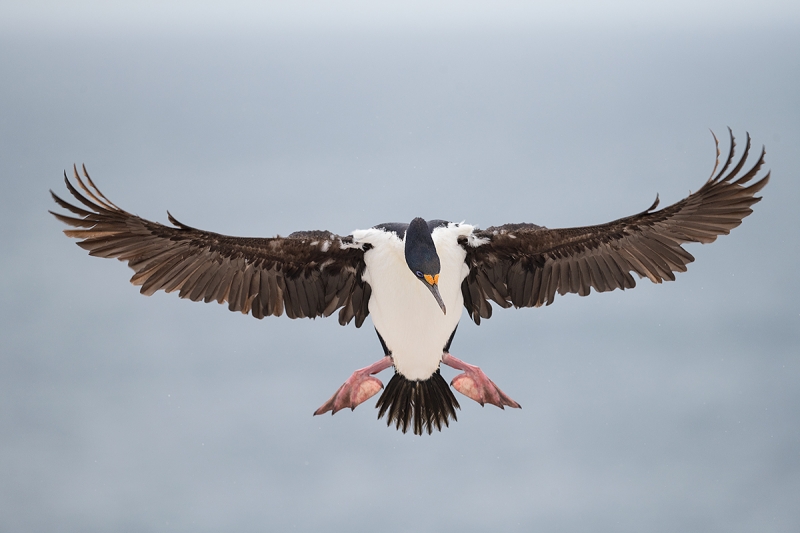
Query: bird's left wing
{"x": 525, "y": 265}
{"x": 307, "y": 274}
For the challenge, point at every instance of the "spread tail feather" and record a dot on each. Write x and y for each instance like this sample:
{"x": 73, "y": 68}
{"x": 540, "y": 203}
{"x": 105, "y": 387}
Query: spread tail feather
{"x": 426, "y": 404}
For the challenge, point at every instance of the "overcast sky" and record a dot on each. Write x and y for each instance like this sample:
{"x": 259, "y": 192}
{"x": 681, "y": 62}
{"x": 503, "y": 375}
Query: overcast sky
{"x": 665, "y": 408}
{"x": 145, "y": 16}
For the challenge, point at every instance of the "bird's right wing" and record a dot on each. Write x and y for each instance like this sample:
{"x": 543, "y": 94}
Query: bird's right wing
{"x": 307, "y": 274}
{"x": 525, "y": 265}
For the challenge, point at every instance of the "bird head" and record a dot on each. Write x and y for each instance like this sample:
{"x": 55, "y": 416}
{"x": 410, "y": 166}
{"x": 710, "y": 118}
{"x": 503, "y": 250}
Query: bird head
{"x": 422, "y": 259}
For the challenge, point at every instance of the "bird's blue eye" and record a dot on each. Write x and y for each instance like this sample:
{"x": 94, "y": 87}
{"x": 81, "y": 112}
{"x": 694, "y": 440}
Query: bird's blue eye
{"x": 418, "y": 273}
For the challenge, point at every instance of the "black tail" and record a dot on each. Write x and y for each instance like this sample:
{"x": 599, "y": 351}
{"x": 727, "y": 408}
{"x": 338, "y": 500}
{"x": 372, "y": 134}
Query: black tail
{"x": 429, "y": 403}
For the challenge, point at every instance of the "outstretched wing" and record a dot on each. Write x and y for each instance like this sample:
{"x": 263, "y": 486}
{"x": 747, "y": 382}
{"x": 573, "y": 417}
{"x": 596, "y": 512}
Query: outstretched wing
{"x": 525, "y": 265}
{"x": 309, "y": 274}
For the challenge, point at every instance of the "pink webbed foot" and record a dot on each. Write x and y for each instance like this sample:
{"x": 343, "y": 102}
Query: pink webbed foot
{"x": 358, "y": 388}
{"x": 473, "y": 383}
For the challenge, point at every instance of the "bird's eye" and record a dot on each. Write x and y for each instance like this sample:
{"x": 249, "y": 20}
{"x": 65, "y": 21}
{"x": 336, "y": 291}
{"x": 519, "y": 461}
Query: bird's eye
{"x": 418, "y": 273}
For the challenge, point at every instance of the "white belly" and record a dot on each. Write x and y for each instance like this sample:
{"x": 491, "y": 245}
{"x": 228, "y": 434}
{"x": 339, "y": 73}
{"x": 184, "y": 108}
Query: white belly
{"x": 402, "y": 308}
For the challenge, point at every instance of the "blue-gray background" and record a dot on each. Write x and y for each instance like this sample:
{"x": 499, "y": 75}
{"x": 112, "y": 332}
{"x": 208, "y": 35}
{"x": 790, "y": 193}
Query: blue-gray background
{"x": 668, "y": 408}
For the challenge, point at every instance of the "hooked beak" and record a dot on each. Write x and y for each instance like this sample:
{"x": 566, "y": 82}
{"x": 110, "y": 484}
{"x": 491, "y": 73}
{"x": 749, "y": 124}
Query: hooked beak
{"x": 435, "y": 291}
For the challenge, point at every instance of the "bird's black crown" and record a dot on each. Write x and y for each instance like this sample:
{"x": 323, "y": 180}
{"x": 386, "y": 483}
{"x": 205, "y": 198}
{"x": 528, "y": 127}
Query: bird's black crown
{"x": 420, "y": 251}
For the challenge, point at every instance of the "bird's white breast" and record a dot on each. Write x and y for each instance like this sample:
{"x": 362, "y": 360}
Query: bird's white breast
{"x": 403, "y": 310}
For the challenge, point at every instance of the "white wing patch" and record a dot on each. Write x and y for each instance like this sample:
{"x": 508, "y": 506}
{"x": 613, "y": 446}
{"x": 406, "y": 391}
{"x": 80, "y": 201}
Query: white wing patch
{"x": 474, "y": 241}
{"x": 355, "y": 244}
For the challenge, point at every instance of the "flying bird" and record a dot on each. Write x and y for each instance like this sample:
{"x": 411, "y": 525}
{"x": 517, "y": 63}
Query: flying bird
{"x": 413, "y": 278}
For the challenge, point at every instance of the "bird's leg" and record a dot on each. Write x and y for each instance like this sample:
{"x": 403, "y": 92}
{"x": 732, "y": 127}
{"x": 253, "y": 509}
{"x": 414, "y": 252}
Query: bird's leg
{"x": 474, "y": 384}
{"x": 358, "y": 388}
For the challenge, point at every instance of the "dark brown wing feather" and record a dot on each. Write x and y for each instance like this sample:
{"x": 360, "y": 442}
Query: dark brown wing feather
{"x": 307, "y": 274}
{"x": 526, "y": 265}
